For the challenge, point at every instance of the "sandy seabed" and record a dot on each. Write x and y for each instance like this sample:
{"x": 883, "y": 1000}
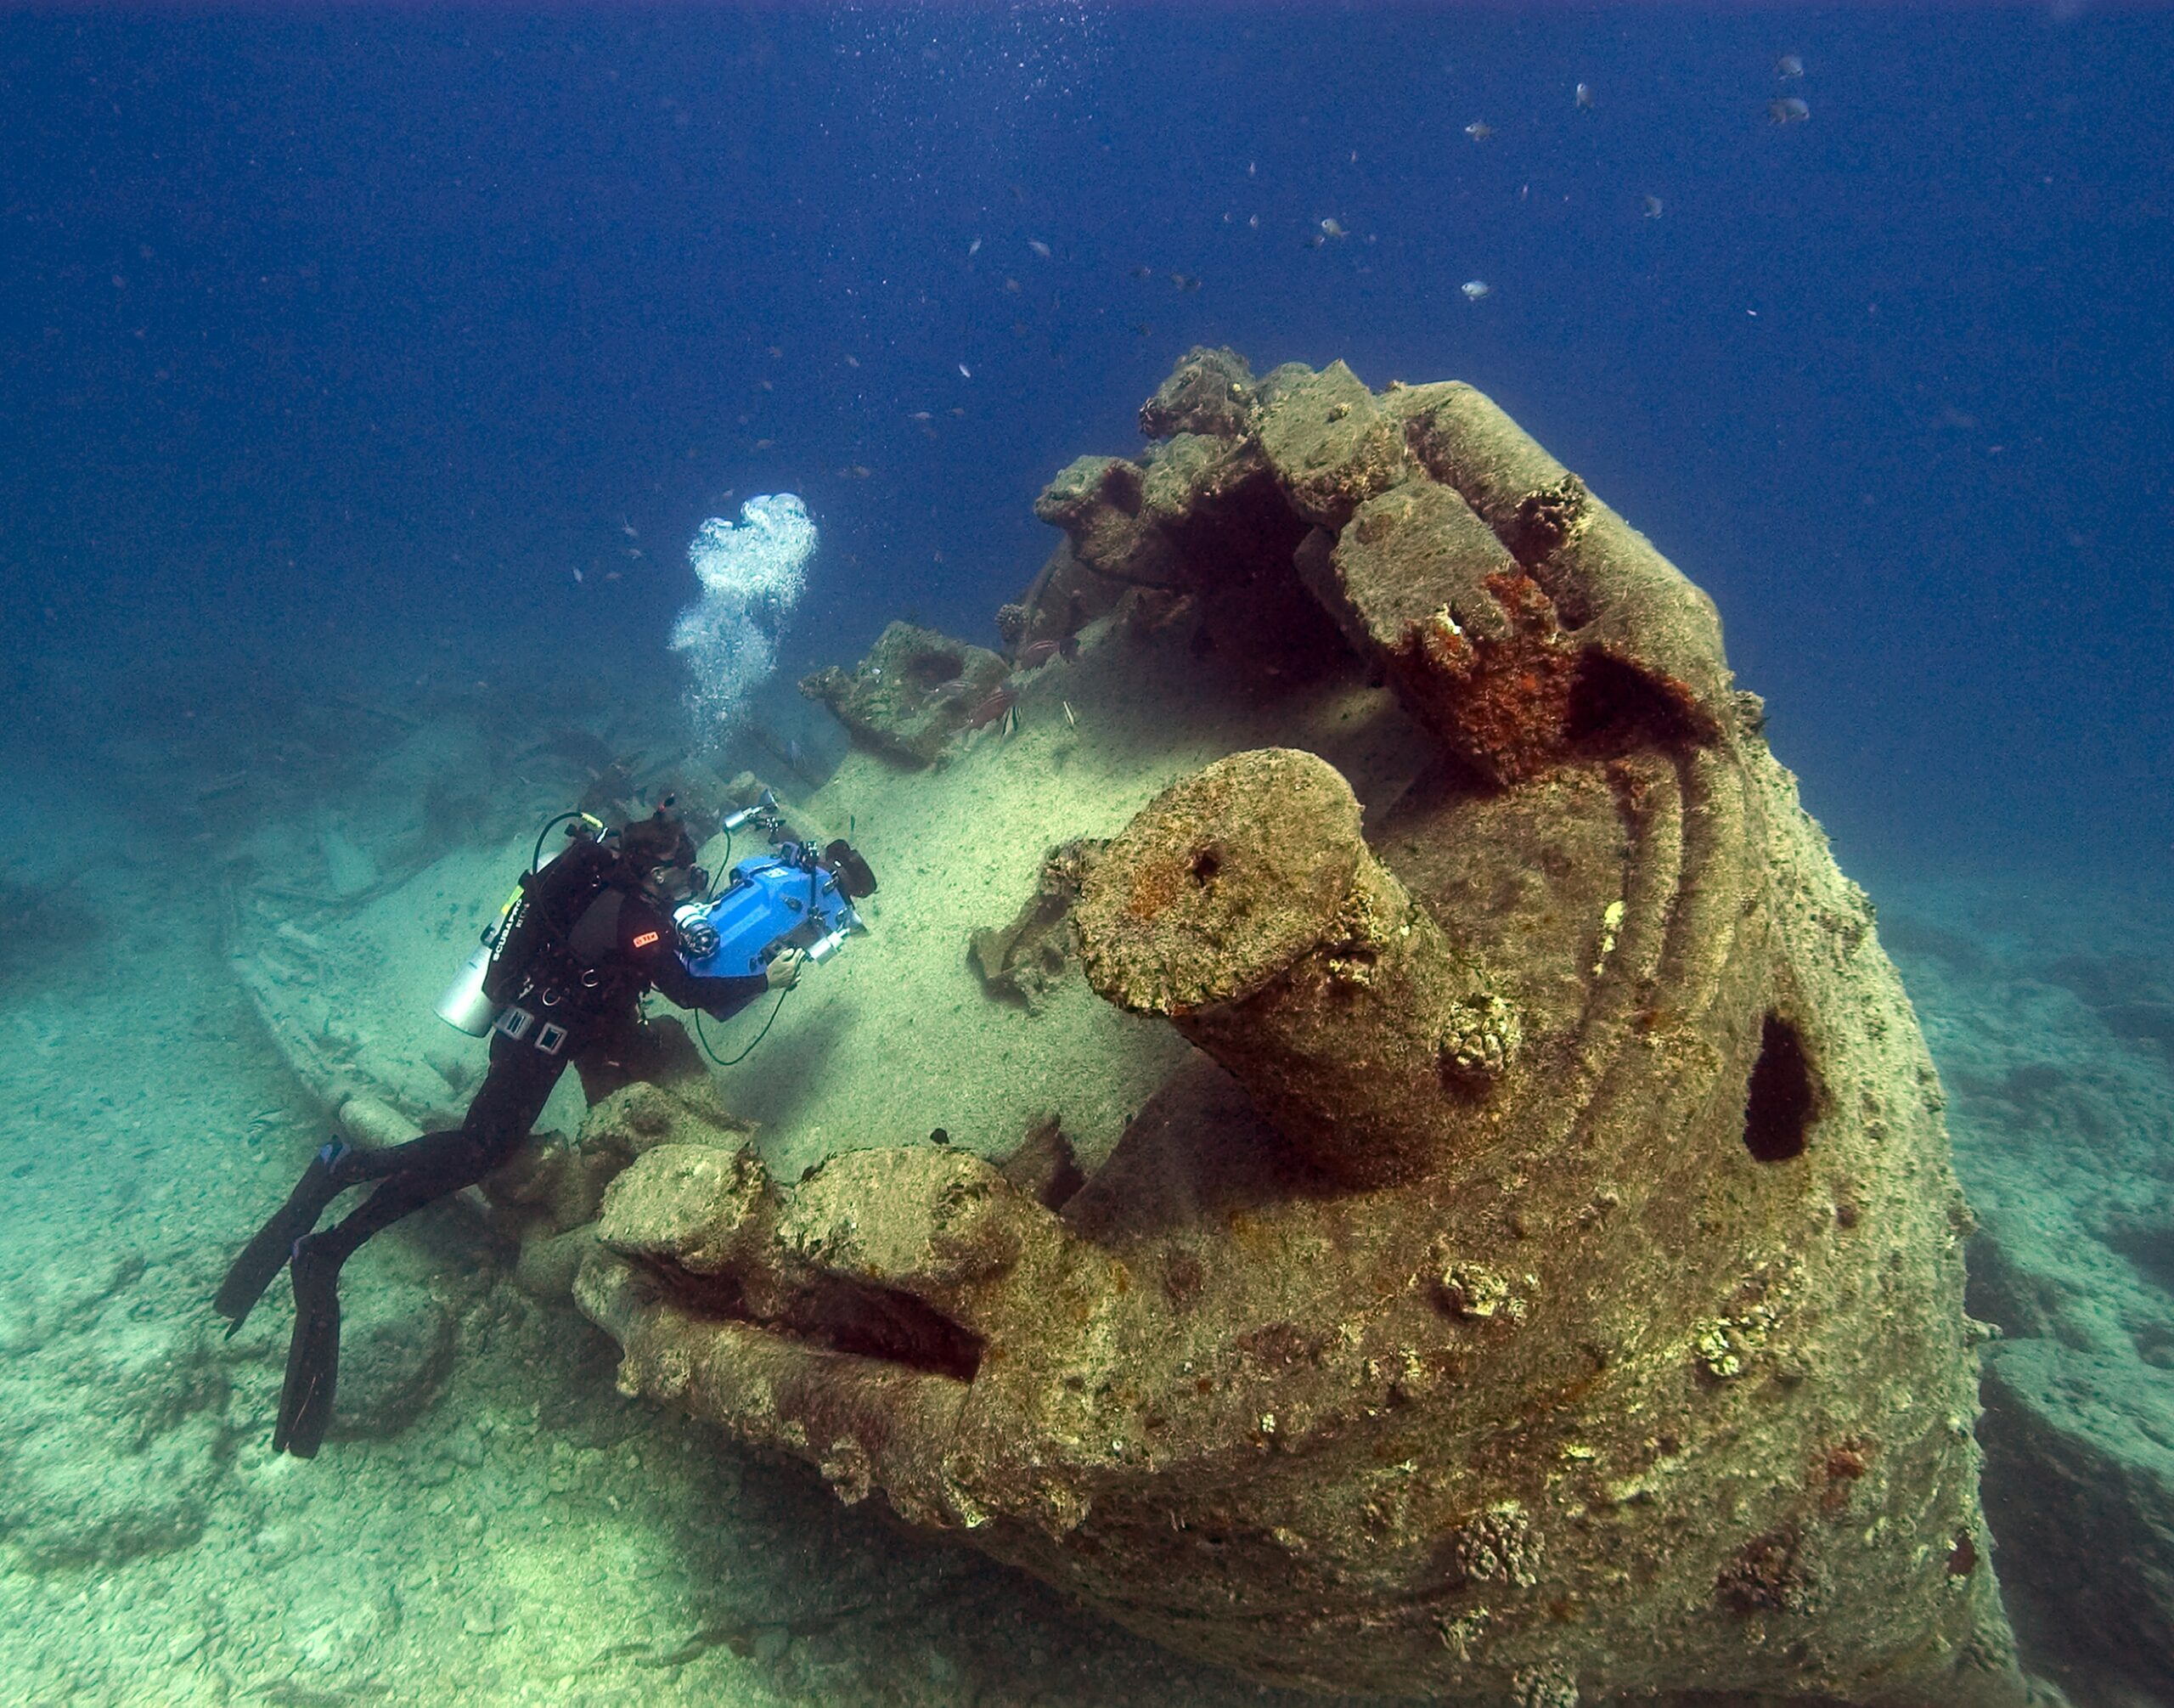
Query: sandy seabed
{"x": 532, "y": 1536}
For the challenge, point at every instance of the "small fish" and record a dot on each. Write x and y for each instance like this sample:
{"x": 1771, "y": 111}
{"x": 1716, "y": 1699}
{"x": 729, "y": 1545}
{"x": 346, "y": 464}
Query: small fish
{"x": 1012, "y": 285}
{"x": 777, "y": 352}
{"x": 1789, "y": 66}
{"x": 627, "y": 528}
{"x": 1011, "y": 726}
{"x": 1142, "y": 329}
{"x": 975, "y": 247}
{"x": 853, "y": 361}
{"x": 991, "y": 709}
{"x": 1787, "y": 110}
{"x": 921, "y": 415}
{"x": 764, "y": 444}
{"x": 956, "y": 410}
{"x": 576, "y": 577}
{"x": 1185, "y": 281}
{"x": 855, "y": 471}
{"x": 1474, "y": 289}
{"x": 965, "y": 372}
{"x": 1039, "y": 247}
{"x": 1331, "y": 228}
{"x": 1585, "y": 96}
{"x": 611, "y": 575}
{"x": 1653, "y": 207}
{"x": 1143, "y": 273}
{"x": 1315, "y": 240}
{"x": 1478, "y": 132}
{"x": 1071, "y": 717}
{"x": 1037, "y": 654}
{"x": 631, "y": 550}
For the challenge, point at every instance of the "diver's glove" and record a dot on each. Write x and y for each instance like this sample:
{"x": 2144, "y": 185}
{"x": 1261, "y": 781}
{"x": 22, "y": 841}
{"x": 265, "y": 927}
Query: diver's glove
{"x": 698, "y": 941}
{"x": 784, "y": 973}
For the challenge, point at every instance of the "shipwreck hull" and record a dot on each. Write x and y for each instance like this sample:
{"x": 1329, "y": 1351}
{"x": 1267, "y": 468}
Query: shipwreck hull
{"x": 1546, "y": 1281}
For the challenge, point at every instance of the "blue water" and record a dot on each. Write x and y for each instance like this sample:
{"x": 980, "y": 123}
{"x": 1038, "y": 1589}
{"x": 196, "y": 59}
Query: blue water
{"x": 363, "y": 330}
{"x": 361, "y": 364}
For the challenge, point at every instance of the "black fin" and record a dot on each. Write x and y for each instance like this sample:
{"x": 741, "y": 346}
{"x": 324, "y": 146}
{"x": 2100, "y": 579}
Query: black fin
{"x": 266, "y": 1254}
{"x": 313, "y": 1358}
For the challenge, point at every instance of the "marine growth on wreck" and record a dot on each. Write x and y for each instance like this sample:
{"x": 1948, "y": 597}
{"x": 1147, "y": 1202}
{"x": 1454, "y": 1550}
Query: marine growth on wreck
{"x": 1390, "y": 1158}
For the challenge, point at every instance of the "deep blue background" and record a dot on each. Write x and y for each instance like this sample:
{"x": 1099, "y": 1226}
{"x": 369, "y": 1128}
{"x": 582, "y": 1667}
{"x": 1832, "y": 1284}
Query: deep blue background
{"x": 350, "y": 336}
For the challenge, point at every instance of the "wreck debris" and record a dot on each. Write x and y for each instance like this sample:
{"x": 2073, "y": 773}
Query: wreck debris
{"x": 1023, "y": 962}
{"x": 914, "y": 691}
{"x": 1450, "y": 1333}
{"x": 1043, "y": 1166}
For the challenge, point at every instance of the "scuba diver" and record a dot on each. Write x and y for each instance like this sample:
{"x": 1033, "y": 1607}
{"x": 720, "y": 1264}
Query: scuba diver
{"x": 583, "y": 940}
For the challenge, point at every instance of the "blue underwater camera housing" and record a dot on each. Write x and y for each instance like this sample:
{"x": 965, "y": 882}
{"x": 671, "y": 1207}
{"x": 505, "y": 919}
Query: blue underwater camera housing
{"x": 796, "y": 896}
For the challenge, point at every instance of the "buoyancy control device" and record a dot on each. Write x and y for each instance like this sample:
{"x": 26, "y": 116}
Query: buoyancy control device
{"x": 795, "y": 896}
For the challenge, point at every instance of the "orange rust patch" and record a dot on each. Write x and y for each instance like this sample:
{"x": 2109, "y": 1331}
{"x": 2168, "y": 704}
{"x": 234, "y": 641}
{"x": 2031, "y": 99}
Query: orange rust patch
{"x": 1505, "y": 703}
{"x": 1514, "y": 716}
{"x": 1155, "y": 883}
{"x": 1525, "y": 599}
{"x": 1842, "y": 1465}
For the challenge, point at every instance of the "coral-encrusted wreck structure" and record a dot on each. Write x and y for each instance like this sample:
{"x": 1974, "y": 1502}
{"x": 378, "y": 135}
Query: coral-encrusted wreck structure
{"x": 1545, "y": 1282}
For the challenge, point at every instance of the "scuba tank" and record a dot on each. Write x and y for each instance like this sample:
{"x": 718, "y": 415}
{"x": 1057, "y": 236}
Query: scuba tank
{"x": 466, "y": 1005}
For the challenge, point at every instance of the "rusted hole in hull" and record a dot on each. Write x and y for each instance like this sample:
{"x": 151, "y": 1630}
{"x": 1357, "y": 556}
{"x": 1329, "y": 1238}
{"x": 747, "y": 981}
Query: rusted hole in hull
{"x": 1783, "y": 1099}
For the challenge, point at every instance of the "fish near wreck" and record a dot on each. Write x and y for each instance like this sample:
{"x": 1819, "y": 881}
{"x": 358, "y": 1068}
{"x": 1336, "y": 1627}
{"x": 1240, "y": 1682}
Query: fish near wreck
{"x": 1544, "y": 1285}
{"x": 1037, "y": 653}
{"x": 994, "y": 710}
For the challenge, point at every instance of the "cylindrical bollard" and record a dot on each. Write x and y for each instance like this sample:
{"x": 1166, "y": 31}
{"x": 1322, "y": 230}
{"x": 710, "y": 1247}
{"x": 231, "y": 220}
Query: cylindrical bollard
{"x": 1610, "y": 585}
{"x": 1243, "y": 904}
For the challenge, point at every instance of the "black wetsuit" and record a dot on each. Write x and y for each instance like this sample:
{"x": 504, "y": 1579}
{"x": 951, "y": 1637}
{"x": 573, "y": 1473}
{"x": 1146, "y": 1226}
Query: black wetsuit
{"x": 580, "y": 951}
{"x": 582, "y": 945}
